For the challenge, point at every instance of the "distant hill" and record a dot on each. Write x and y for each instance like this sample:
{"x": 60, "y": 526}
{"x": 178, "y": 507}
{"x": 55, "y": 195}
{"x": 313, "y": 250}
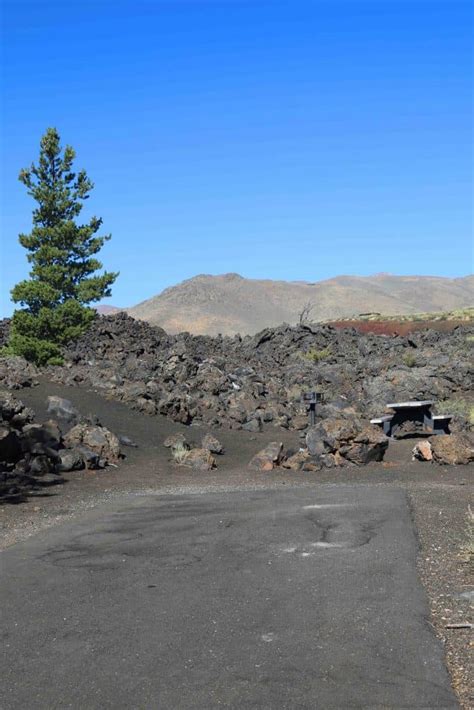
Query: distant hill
{"x": 108, "y": 310}
{"x": 230, "y": 304}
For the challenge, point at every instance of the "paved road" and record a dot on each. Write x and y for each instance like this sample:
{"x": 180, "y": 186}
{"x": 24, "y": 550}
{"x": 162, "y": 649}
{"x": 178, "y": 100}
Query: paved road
{"x": 259, "y": 599}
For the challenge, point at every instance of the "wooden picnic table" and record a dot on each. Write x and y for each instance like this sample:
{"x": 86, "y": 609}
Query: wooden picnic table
{"x": 417, "y": 411}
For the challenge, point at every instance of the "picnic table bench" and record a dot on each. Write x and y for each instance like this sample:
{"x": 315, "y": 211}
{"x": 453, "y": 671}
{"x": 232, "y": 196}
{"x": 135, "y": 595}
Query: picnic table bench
{"x": 415, "y": 411}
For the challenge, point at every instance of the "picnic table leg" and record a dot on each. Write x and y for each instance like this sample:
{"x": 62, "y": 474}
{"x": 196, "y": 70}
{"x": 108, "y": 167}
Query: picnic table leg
{"x": 387, "y": 428}
{"x": 427, "y": 420}
{"x": 441, "y": 428}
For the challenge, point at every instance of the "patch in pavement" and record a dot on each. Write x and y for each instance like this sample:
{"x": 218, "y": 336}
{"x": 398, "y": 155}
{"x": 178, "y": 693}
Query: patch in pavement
{"x": 254, "y": 599}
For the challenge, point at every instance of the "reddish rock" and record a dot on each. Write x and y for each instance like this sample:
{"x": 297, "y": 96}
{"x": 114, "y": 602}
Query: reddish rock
{"x": 199, "y": 459}
{"x": 369, "y": 445}
{"x": 96, "y": 438}
{"x": 422, "y": 451}
{"x": 452, "y": 449}
{"x": 267, "y": 458}
{"x": 296, "y": 461}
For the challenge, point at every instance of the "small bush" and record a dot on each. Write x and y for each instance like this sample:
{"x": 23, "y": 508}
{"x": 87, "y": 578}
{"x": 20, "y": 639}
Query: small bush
{"x": 314, "y": 355}
{"x": 179, "y": 453}
{"x": 458, "y": 407}
{"x": 409, "y": 360}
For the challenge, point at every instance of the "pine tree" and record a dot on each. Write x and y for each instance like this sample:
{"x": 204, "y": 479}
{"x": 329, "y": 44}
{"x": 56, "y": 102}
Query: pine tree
{"x": 63, "y": 277}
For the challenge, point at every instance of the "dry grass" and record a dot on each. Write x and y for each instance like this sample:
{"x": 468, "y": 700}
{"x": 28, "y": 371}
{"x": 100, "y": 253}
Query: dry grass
{"x": 468, "y": 546}
{"x": 463, "y": 314}
{"x": 179, "y": 453}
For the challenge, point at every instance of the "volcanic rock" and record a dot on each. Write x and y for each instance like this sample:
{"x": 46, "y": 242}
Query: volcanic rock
{"x": 212, "y": 444}
{"x": 329, "y": 435}
{"x": 70, "y": 460}
{"x": 295, "y": 461}
{"x": 174, "y": 440}
{"x": 199, "y": 459}
{"x": 92, "y": 460}
{"x": 254, "y": 425}
{"x": 62, "y": 408}
{"x": 268, "y": 458}
{"x": 16, "y": 372}
{"x": 422, "y": 451}
{"x": 369, "y": 445}
{"x": 13, "y": 411}
{"x": 98, "y": 439}
{"x": 452, "y": 449}
{"x": 41, "y": 438}
{"x": 10, "y": 445}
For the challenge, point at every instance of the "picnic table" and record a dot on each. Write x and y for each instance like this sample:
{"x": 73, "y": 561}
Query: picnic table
{"x": 414, "y": 411}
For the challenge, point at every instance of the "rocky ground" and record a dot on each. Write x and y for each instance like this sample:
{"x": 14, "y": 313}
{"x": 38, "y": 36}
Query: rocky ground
{"x": 246, "y": 393}
{"x": 244, "y": 383}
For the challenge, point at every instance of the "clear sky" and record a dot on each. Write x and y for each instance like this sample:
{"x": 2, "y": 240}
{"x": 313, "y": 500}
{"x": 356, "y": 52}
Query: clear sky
{"x": 283, "y": 139}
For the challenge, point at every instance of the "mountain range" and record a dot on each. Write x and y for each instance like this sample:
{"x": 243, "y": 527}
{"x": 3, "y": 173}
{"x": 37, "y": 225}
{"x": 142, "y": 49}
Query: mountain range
{"x": 230, "y": 303}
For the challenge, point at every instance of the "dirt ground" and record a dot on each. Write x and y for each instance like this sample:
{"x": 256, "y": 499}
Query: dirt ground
{"x": 439, "y": 498}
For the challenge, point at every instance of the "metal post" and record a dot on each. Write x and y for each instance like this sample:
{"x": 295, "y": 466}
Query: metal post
{"x": 311, "y": 398}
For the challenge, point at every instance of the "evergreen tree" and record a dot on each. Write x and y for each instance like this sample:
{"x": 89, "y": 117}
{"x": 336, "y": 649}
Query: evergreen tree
{"x": 63, "y": 277}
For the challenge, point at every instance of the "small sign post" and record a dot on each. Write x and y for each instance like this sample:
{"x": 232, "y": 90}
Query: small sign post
{"x": 311, "y": 399}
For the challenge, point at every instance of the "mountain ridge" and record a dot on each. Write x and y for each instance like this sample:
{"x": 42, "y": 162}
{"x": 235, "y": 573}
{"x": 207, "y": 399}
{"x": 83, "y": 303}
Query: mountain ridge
{"x": 230, "y": 303}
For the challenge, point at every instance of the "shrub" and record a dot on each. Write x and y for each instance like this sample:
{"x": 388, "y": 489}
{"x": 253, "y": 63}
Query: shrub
{"x": 409, "y": 360}
{"x": 458, "y": 407}
{"x": 179, "y": 453}
{"x": 314, "y": 355}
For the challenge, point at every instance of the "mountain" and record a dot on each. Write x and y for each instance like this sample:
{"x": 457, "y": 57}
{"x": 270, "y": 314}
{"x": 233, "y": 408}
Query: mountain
{"x": 108, "y": 310}
{"x": 230, "y": 304}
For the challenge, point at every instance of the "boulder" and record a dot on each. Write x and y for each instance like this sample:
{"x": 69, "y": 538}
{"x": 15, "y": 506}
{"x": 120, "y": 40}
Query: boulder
{"x": 199, "y": 459}
{"x": 254, "y": 425}
{"x": 13, "y": 411}
{"x": 313, "y": 464}
{"x": 62, "y": 409}
{"x": 10, "y": 445}
{"x": 299, "y": 422}
{"x": 329, "y": 435}
{"x": 348, "y": 440}
{"x": 98, "y": 439}
{"x": 295, "y": 461}
{"x": 126, "y": 441}
{"x": 70, "y": 460}
{"x": 422, "y": 451}
{"x": 42, "y": 438}
{"x": 145, "y": 405}
{"x": 175, "y": 440}
{"x": 212, "y": 444}
{"x": 92, "y": 460}
{"x": 452, "y": 449}
{"x": 40, "y": 465}
{"x": 268, "y": 458}
{"x": 16, "y": 372}
{"x": 369, "y": 445}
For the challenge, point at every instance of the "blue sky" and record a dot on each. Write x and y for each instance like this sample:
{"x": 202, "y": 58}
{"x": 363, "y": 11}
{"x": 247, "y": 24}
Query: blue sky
{"x": 293, "y": 140}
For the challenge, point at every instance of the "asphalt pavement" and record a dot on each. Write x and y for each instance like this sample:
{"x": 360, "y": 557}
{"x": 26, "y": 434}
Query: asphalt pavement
{"x": 296, "y": 598}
